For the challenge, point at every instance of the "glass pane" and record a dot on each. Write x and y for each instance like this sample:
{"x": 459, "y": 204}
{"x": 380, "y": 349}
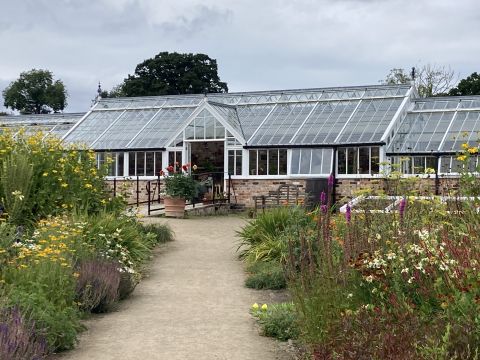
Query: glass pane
{"x": 352, "y": 156}
{"x": 162, "y": 128}
{"x": 238, "y": 166}
{"x": 140, "y": 163}
{"x": 273, "y": 162}
{"x": 252, "y": 166}
{"x": 327, "y": 161}
{"x": 418, "y": 164}
{"x": 190, "y": 131}
{"x": 431, "y": 163}
{"x": 158, "y": 163}
{"x": 219, "y": 130}
{"x": 171, "y": 158}
{"x": 150, "y": 164}
{"x": 316, "y": 161}
{"x": 111, "y": 163}
{"x": 200, "y": 127}
{"x": 262, "y": 162}
{"x": 282, "y": 124}
{"x": 364, "y": 160}
{"x": 178, "y": 158}
{"x": 120, "y": 163}
{"x": 209, "y": 128}
{"x": 295, "y": 161}
{"x": 305, "y": 161}
{"x": 131, "y": 163}
{"x": 445, "y": 164}
{"x": 231, "y": 162}
{"x": 375, "y": 160}
{"x": 282, "y": 170}
{"x": 342, "y": 160}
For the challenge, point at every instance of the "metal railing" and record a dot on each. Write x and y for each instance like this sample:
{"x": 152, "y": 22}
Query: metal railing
{"x": 210, "y": 182}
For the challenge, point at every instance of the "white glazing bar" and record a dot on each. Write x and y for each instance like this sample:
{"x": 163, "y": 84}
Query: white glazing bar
{"x": 225, "y": 124}
{"x": 143, "y": 127}
{"x": 79, "y": 122}
{"x": 448, "y": 129}
{"x": 108, "y": 128}
{"x": 346, "y": 123}
{"x": 397, "y": 115}
{"x": 263, "y": 121}
{"x": 303, "y": 123}
{"x": 189, "y": 119}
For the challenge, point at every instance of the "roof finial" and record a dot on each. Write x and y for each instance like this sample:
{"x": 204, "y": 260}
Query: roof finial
{"x": 413, "y": 74}
{"x": 99, "y": 90}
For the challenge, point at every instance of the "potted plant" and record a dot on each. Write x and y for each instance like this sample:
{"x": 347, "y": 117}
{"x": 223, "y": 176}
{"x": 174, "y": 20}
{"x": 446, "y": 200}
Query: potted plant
{"x": 179, "y": 186}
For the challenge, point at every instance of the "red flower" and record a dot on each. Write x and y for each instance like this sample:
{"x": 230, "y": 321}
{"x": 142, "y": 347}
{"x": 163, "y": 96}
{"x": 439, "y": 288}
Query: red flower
{"x": 162, "y": 173}
{"x": 170, "y": 168}
{"x": 185, "y": 167}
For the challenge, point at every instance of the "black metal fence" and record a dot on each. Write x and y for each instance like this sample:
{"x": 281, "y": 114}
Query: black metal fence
{"x": 210, "y": 190}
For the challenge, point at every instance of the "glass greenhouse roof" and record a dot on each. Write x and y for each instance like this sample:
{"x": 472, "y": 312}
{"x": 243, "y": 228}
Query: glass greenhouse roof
{"x": 438, "y": 125}
{"x": 50, "y": 124}
{"x": 265, "y": 118}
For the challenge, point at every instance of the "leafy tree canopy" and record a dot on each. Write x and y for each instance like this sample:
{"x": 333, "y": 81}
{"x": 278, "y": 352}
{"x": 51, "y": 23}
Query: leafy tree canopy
{"x": 172, "y": 74}
{"x": 468, "y": 86}
{"x": 35, "y": 92}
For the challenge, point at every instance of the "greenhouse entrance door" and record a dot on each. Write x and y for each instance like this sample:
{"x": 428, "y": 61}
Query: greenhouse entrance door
{"x": 209, "y": 158}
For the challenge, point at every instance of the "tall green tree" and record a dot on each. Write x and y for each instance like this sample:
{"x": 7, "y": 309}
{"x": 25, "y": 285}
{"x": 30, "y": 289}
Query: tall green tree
{"x": 467, "y": 86}
{"x": 172, "y": 74}
{"x": 35, "y": 92}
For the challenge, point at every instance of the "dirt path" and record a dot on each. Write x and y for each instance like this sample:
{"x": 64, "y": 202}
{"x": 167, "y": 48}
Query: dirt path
{"x": 192, "y": 306}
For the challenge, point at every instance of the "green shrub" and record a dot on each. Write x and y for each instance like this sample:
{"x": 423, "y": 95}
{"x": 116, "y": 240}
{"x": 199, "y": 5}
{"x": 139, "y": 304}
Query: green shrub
{"x": 60, "y": 324}
{"x": 121, "y": 238}
{"x": 40, "y": 177}
{"x": 163, "y": 232}
{"x": 43, "y": 287}
{"x": 264, "y": 237}
{"x": 15, "y": 185}
{"x": 265, "y": 275}
{"x": 278, "y": 321}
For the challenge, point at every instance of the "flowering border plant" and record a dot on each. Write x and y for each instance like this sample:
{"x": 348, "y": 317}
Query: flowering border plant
{"x": 178, "y": 181}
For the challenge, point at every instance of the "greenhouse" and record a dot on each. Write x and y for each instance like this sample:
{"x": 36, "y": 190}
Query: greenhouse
{"x": 262, "y": 139}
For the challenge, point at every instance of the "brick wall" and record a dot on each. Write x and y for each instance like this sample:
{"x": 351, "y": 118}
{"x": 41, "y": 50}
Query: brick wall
{"x": 245, "y": 190}
{"x": 349, "y": 188}
{"x": 128, "y": 189}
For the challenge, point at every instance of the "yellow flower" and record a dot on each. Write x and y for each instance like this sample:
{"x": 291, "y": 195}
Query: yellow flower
{"x": 461, "y": 157}
{"x": 88, "y": 186}
{"x": 264, "y": 307}
{"x": 465, "y": 145}
{"x": 255, "y": 307}
{"x": 64, "y": 185}
{"x": 45, "y": 174}
{"x": 76, "y": 274}
{"x": 473, "y": 150}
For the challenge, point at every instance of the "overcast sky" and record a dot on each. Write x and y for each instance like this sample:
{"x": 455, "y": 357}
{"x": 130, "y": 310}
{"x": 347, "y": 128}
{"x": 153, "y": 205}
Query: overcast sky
{"x": 258, "y": 44}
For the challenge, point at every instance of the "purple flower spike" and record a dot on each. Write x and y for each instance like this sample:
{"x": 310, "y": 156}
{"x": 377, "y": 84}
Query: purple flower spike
{"x": 331, "y": 181}
{"x": 348, "y": 214}
{"x": 401, "y": 207}
{"x": 323, "y": 198}
{"x": 323, "y": 209}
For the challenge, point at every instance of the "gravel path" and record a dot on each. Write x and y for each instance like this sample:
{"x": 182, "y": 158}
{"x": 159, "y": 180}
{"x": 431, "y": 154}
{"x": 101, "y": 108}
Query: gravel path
{"x": 193, "y": 305}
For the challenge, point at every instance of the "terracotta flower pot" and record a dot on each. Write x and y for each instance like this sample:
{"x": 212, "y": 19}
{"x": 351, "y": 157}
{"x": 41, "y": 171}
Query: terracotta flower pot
{"x": 174, "y": 207}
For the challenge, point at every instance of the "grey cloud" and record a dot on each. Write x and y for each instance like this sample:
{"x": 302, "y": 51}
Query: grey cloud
{"x": 258, "y": 44}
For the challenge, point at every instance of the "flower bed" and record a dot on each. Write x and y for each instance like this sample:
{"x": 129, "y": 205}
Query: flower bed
{"x": 401, "y": 282}
{"x": 66, "y": 247}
